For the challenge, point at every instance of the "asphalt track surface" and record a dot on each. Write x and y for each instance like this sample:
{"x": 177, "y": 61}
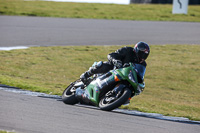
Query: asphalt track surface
{"x": 38, "y": 31}
{"x": 29, "y": 114}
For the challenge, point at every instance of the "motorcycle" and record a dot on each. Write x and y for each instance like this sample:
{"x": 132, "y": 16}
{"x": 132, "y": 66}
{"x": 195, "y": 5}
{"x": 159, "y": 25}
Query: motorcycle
{"x": 107, "y": 91}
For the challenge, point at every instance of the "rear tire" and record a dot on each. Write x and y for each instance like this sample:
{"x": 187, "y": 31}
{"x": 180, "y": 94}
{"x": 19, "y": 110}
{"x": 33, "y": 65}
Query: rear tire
{"x": 68, "y": 96}
{"x": 104, "y": 105}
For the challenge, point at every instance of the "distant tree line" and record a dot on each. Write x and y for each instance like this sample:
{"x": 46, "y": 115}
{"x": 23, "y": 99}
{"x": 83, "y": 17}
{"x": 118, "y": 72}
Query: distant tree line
{"x": 192, "y": 2}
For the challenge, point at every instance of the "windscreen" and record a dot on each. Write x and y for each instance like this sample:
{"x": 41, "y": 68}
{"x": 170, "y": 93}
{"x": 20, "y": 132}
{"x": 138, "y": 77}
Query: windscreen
{"x": 141, "y": 70}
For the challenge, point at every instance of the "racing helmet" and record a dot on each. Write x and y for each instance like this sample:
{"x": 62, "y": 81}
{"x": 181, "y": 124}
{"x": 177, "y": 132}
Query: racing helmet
{"x": 142, "y": 51}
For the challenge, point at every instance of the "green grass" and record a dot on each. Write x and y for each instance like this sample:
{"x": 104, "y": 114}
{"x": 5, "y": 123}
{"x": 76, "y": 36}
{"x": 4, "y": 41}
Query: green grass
{"x": 172, "y": 77}
{"x": 97, "y": 11}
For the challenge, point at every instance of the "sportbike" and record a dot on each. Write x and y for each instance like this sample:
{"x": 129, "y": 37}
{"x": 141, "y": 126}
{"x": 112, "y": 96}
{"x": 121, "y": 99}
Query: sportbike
{"x": 107, "y": 91}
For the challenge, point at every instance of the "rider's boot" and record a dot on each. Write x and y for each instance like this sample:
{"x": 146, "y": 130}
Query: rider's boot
{"x": 92, "y": 70}
{"x": 85, "y": 76}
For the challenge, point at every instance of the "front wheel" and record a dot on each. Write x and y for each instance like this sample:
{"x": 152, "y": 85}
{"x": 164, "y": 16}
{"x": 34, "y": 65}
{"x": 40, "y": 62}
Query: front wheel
{"x": 110, "y": 101}
{"x": 68, "y": 96}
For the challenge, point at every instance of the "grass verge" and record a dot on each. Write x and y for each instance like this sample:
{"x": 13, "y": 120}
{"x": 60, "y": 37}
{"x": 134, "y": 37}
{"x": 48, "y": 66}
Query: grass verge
{"x": 97, "y": 11}
{"x": 172, "y": 77}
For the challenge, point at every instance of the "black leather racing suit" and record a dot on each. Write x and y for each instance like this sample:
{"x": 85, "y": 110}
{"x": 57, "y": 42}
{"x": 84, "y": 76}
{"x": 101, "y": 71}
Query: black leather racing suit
{"x": 125, "y": 54}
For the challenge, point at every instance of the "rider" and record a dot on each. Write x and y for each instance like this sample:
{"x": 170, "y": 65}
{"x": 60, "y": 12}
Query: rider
{"x": 137, "y": 55}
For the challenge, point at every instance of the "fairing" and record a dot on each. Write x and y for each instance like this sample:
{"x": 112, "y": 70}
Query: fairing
{"x": 140, "y": 70}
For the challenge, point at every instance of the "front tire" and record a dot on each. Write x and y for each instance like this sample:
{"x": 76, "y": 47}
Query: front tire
{"x": 68, "y": 96}
{"x": 113, "y": 104}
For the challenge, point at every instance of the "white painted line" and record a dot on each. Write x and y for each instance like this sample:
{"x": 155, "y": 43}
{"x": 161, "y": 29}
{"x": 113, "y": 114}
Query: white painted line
{"x": 156, "y": 116}
{"x": 30, "y": 93}
{"x": 13, "y": 48}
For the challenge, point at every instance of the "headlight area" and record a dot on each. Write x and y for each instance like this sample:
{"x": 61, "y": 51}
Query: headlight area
{"x": 140, "y": 86}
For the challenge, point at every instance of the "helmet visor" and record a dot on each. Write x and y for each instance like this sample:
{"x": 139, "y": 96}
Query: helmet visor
{"x": 142, "y": 55}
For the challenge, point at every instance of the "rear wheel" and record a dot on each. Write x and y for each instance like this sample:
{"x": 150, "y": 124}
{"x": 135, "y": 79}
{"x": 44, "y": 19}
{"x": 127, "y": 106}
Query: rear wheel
{"x": 111, "y": 100}
{"x": 68, "y": 96}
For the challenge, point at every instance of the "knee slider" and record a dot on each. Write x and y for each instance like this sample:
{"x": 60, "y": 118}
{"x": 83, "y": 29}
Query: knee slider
{"x": 99, "y": 64}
